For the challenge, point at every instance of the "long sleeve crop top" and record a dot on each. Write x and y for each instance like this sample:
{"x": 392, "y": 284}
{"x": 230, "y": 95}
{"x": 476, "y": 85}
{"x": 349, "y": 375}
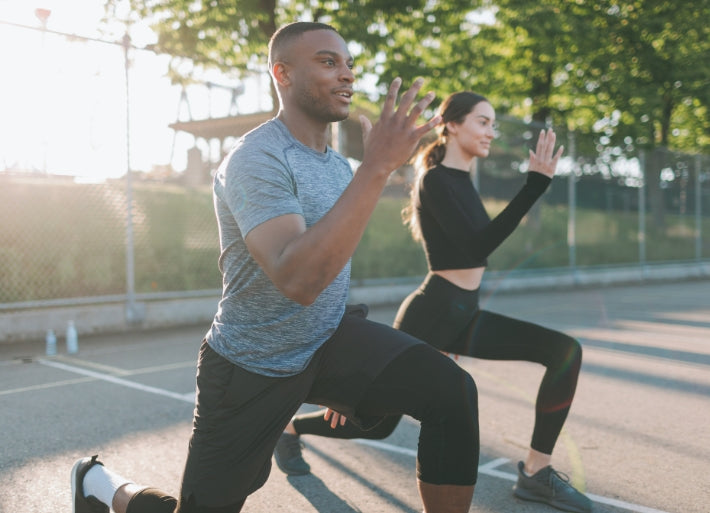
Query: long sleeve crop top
{"x": 456, "y": 229}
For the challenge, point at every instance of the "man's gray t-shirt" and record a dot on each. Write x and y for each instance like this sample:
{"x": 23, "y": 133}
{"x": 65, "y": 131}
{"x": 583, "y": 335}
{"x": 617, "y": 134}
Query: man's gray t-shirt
{"x": 269, "y": 174}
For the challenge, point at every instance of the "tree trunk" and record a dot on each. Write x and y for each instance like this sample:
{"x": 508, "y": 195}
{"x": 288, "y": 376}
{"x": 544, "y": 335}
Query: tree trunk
{"x": 655, "y": 163}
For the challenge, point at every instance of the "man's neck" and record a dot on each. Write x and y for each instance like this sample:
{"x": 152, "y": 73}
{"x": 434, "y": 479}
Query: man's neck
{"x": 312, "y": 134}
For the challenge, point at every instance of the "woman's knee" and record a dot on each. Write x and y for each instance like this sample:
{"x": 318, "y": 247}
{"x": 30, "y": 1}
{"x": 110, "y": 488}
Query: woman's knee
{"x": 574, "y": 353}
{"x": 568, "y": 353}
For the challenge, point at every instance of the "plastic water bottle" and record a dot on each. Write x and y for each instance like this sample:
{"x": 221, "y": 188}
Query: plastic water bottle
{"x": 72, "y": 339}
{"x": 51, "y": 341}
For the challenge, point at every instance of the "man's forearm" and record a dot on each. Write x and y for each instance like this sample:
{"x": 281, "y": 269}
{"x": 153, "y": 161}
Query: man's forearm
{"x": 312, "y": 260}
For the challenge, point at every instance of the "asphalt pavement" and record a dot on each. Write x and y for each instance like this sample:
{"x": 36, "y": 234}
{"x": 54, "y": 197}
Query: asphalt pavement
{"x": 637, "y": 438}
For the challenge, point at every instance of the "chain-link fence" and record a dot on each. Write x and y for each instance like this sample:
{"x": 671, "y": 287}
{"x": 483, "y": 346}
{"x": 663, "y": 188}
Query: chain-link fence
{"x": 63, "y": 241}
{"x": 607, "y": 206}
{"x": 67, "y": 240}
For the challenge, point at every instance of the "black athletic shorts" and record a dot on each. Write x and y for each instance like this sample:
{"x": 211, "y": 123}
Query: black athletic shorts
{"x": 240, "y": 415}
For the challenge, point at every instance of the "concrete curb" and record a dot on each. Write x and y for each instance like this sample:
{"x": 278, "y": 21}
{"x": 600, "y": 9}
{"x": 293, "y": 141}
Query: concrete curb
{"x": 112, "y": 317}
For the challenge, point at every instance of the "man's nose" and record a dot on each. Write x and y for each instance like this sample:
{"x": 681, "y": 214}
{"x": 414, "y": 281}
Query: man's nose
{"x": 347, "y": 74}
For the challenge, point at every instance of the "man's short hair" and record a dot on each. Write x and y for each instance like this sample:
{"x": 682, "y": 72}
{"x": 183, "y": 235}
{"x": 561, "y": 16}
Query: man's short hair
{"x": 283, "y": 37}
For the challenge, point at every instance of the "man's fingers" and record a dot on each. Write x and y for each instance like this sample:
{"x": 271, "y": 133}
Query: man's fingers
{"x": 423, "y": 129}
{"x": 408, "y": 98}
{"x": 366, "y": 126}
{"x": 421, "y": 105}
{"x": 391, "y": 98}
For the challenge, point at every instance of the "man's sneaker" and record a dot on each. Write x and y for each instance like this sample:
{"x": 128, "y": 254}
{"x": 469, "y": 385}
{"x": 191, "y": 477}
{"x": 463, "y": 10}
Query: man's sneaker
{"x": 80, "y": 503}
{"x": 289, "y": 457}
{"x": 551, "y": 487}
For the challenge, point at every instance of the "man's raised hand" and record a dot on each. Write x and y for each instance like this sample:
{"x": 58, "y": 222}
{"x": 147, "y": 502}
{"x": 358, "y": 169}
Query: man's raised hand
{"x": 390, "y": 142}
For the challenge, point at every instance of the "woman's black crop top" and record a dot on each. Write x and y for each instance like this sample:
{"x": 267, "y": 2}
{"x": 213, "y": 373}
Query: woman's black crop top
{"x": 457, "y": 232}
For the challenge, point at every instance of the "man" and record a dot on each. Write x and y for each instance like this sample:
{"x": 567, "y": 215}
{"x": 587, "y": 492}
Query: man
{"x": 290, "y": 214}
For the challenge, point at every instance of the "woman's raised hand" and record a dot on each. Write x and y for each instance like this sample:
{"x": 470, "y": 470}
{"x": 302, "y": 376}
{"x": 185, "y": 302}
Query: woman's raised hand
{"x": 543, "y": 160}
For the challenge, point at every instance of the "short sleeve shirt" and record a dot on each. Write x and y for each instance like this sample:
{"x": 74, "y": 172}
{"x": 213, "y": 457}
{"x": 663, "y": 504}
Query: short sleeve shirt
{"x": 269, "y": 174}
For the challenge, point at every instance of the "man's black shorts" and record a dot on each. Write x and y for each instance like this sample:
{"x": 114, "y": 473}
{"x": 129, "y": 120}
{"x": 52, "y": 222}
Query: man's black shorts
{"x": 240, "y": 415}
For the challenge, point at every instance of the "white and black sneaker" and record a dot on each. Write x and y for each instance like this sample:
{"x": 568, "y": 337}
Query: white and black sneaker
{"x": 80, "y": 503}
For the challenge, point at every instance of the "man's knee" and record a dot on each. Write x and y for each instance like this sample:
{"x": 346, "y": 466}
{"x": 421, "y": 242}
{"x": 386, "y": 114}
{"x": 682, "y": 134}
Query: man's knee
{"x": 456, "y": 397}
{"x": 449, "y": 438}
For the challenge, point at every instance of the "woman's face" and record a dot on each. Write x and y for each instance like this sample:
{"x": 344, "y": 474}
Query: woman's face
{"x": 475, "y": 133}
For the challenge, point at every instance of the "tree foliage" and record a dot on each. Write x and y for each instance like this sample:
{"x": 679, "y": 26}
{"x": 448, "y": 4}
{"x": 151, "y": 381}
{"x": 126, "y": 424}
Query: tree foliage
{"x": 633, "y": 72}
{"x": 650, "y": 71}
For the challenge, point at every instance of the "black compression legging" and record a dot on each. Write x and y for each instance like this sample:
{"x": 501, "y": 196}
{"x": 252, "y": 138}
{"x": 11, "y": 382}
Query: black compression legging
{"x": 449, "y": 318}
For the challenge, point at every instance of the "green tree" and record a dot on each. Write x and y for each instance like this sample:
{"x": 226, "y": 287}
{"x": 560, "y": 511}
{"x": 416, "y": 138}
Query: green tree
{"x": 632, "y": 72}
{"x": 650, "y": 76}
{"x": 231, "y": 35}
{"x": 389, "y": 38}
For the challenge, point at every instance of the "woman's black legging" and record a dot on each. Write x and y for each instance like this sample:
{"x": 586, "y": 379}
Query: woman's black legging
{"x": 449, "y": 318}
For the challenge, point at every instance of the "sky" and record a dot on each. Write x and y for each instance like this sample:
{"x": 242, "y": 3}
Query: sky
{"x": 63, "y": 102}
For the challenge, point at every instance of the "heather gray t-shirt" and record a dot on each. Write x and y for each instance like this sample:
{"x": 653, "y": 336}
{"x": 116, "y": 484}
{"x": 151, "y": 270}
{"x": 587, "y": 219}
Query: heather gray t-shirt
{"x": 269, "y": 174}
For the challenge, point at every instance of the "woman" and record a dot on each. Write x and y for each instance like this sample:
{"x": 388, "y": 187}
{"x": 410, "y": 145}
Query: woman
{"x": 447, "y": 216}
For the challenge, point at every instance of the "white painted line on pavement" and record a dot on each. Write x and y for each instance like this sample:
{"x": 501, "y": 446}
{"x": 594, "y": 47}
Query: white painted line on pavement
{"x": 488, "y": 468}
{"x": 118, "y": 371}
{"x": 44, "y": 386}
{"x": 387, "y": 447}
{"x": 623, "y": 505}
{"x": 190, "y": 398}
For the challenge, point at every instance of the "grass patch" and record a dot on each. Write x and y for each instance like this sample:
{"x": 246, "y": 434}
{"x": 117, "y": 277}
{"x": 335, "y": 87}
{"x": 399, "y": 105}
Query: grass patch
{"x": 64, "y": 240}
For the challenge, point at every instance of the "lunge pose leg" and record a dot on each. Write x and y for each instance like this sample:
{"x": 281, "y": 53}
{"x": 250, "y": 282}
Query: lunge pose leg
{"x": 447, "y": 216}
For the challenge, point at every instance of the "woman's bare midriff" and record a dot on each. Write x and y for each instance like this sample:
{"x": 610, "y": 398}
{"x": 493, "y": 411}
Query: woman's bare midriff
{"x": 467, "y": 279}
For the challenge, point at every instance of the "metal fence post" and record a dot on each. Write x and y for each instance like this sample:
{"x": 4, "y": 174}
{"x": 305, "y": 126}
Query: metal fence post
{"x": 642, "y": 209}
{"x": 698, "y": 209}
{"x": 572, "y": 198}
{"x": 132, "y": 312}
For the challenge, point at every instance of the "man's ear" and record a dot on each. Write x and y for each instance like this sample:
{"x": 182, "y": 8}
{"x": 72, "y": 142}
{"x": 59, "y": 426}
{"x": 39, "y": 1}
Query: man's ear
{"x": 281, "y": 73}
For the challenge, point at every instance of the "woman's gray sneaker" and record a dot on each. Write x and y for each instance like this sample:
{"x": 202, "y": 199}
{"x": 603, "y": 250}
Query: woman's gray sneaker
{"x": 289, "y": 457}
{"x": 550, "y": 487}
